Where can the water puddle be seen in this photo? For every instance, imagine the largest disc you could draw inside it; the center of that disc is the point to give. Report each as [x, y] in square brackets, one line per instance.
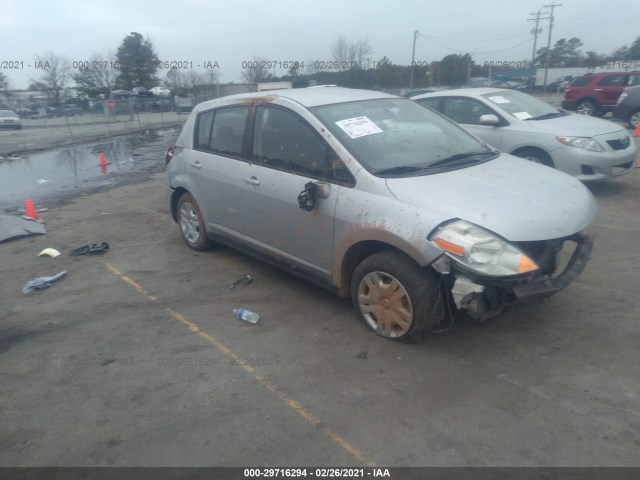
[74, 170]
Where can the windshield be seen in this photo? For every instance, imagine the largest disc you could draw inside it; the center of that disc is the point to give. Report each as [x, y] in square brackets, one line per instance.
[520, 105]
[398, 137]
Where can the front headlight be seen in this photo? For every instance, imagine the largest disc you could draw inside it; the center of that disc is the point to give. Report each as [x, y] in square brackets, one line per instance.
[482, 251]
[586, 143]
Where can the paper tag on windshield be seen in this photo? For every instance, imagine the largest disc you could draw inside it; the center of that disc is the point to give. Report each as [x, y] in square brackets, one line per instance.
[522, 115]
[498, 99]
[358, 127]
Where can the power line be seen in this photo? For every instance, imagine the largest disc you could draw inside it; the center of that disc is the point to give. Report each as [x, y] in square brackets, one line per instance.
[474, 41]
[475, 53]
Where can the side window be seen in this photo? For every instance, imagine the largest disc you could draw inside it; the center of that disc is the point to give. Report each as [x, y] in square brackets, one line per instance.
[614, 81]
[284, 141]
[222, 131]
[430, 102]
[634, 80]
[203, 130]
[465, 110]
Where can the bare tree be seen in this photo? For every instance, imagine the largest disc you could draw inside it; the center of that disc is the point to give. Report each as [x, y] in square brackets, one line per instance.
[56, 74]
[98, 75]
[257, 71]
[4, 82]
[348, 55]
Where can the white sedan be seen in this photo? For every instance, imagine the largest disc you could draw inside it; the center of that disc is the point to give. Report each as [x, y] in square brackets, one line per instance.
[160, 91]
[585, 147]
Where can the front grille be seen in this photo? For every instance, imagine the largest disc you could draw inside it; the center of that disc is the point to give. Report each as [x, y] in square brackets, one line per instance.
[619, 144]
[544, 253]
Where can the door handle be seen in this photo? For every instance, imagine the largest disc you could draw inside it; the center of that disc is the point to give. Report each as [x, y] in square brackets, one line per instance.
[597, 89]
[252, 181]
[196, 164]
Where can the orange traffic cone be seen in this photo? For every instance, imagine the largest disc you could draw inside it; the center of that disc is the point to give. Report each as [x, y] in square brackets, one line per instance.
[103, 163]
[30, 210]
[636, 132]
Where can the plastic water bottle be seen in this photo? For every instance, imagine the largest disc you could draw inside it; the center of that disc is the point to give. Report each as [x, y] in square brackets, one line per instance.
[246, 315]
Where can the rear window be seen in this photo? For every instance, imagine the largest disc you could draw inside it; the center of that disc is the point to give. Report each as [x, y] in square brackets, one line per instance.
[581, 81]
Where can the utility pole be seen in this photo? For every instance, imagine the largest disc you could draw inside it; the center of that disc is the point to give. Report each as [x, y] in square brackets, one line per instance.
[546, 66]
[536, 30]
[413, 59]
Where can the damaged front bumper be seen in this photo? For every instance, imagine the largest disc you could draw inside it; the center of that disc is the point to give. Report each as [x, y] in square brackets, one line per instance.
[484, 297]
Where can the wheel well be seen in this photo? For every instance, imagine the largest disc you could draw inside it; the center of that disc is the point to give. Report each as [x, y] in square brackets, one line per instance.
[175, 196]
[356, 254]
[546, 159]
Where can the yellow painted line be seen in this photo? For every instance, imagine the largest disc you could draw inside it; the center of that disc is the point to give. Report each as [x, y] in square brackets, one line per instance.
[290, 402]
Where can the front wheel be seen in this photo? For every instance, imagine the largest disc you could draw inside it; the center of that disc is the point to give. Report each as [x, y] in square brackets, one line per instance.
[191, 223]
[395, 297]
[534, 155]
[634, 119]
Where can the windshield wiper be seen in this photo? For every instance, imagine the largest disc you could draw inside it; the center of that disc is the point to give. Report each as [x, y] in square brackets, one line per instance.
[399, 169]
[462, 158]
[547, 115]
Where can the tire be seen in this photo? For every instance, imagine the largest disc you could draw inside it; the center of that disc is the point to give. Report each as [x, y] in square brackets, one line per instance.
[191, 224]
[634, 119]
[535, 155]
[395, 298]
[586, 107]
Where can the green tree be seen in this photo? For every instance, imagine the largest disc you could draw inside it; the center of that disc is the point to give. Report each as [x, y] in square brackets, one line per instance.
[138, 62]
[454, 69]
[634, 51]
[565, 53]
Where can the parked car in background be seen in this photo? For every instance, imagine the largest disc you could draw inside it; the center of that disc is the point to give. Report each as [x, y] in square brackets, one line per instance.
[628, 107]
[517, 123]
[141, 92]
[24, 112]
[10, 119]
[160, 91]
[597, 93]
[183, 104]
[376, 198]
[420, 91]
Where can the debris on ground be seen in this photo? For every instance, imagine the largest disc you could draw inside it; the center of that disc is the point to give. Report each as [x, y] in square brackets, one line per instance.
[245, 280]
[15, 227]
[51, 252]
[41, 283]
[91, 249]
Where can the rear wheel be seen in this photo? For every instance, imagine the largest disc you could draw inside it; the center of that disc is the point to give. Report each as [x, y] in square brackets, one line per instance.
[586, 107]
[395, 297]
[191, 224]
[634, 119]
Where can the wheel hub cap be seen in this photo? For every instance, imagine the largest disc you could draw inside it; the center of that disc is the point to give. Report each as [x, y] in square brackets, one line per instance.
[385, 304]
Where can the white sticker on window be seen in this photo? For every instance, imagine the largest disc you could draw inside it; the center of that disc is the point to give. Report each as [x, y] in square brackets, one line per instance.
[358, 127]
[522, 115]
[499, 99]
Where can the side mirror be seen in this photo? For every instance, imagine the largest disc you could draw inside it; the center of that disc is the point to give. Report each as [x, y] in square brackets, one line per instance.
[489, 119]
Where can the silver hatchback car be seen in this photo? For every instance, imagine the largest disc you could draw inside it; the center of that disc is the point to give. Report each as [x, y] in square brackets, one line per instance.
[379, 199]
[587, 148]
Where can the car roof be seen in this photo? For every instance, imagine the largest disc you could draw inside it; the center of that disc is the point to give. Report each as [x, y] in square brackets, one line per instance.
[467, 92]
[308, 97]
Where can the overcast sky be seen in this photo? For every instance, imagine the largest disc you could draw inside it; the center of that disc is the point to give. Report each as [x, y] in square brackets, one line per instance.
[232, 31]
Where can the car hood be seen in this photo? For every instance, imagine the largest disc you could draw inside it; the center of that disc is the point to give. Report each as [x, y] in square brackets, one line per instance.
[574, 125]
[515, 198]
